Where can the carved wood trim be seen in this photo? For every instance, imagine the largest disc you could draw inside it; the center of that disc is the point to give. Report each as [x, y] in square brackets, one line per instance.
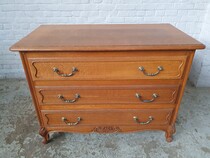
[173, 96]
[40, 92]
[106, 129]
[46, 118]
[168, 117]
[179, 69]
[34, 68]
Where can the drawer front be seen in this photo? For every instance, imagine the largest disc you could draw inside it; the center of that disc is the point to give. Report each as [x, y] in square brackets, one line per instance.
[84, 95]
[107, 117]
[64, 69]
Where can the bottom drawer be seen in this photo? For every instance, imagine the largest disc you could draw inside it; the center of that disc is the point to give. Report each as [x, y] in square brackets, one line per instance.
[122, 117]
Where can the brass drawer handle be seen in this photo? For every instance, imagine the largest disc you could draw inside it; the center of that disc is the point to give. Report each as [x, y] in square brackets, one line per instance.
[159, 68]
[154, 96]
[71, 123]
[60, 96]
[135, 118]
[74, 70]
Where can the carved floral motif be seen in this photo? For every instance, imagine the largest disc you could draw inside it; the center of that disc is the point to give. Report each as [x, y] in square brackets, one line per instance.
[107, 129]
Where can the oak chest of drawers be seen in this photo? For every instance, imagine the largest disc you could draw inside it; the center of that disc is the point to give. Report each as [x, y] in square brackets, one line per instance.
[107, 78]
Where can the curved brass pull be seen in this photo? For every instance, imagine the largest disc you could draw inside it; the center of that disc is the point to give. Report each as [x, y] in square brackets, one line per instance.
[74, 70]
[60, 96]
[135, 118]
[154, 95]
[159, 68]
[71, 123]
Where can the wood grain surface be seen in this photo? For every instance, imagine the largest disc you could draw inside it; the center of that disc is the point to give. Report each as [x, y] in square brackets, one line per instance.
[107, 94]
[106, 37]
[107, 117]
[108, 66]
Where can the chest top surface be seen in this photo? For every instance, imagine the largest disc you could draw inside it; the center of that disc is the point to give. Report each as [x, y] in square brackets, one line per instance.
[106, 37]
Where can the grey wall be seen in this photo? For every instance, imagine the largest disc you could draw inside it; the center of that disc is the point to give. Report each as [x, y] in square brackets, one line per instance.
[19, 17]
[200, 72]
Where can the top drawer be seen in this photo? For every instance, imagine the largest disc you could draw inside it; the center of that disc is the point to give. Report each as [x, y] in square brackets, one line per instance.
[107, 68]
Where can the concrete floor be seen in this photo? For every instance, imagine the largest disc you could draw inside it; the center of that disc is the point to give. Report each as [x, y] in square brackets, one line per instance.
[19, 131]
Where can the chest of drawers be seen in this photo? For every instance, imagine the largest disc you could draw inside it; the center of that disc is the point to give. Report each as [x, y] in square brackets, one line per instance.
[107, 78]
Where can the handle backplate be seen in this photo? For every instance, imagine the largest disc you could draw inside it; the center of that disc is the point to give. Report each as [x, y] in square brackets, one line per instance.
[60, 96]
[154, 96]
[136, 119]
[71, 123]
[74, 70]
[159, 68]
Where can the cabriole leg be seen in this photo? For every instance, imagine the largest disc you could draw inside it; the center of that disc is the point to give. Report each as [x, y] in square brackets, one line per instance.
[169, 133]
[44, 133]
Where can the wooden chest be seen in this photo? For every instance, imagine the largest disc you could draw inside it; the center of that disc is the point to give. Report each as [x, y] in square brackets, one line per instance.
[107, 78]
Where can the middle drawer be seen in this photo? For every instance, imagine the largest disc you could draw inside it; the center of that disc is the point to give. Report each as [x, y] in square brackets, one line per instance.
[129, 94]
